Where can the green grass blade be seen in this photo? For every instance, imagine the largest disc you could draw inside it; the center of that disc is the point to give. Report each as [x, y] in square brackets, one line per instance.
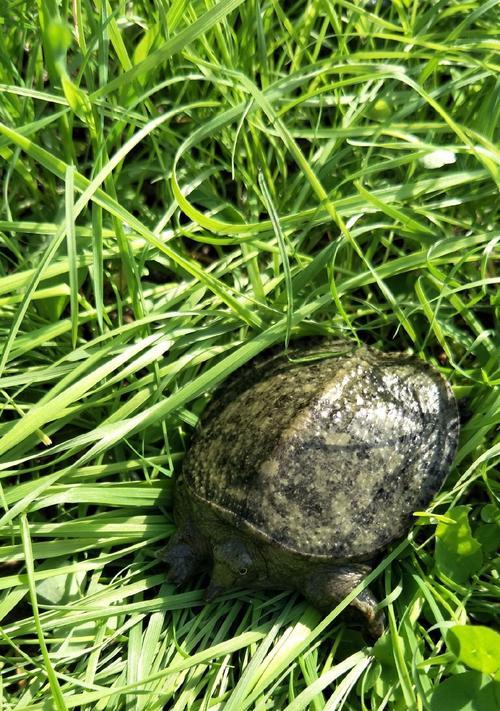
[56, 693]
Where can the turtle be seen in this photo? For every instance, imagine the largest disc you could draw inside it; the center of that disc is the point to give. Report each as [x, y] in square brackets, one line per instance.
[305, 466]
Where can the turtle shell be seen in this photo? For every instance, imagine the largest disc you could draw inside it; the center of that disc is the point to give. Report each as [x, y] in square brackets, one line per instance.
[326, 452]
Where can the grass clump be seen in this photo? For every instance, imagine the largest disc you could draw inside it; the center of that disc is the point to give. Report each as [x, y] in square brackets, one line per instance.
[183, 185]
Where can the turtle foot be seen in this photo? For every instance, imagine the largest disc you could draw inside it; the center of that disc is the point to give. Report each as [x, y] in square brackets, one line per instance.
[182, 559]
[329, 586]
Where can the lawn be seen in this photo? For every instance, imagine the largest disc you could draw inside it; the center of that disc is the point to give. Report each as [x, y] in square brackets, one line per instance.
[184, 184]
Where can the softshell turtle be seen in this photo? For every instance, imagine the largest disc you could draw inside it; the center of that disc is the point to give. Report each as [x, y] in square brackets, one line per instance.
[306, 466]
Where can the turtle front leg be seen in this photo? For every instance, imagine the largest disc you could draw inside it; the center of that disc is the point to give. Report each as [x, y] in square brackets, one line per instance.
[329, 585]
[186, 553]
[182, 556]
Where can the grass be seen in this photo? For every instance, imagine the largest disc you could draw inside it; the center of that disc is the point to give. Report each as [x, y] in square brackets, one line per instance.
[183, 185]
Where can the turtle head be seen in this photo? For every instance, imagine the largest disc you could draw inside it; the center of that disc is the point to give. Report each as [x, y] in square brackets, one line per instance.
[233, 566]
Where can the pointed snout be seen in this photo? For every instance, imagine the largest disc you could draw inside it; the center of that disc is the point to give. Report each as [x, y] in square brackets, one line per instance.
[221, 580]
[212, 591]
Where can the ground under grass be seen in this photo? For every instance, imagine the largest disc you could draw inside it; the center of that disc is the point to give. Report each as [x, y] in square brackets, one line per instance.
[183, 185]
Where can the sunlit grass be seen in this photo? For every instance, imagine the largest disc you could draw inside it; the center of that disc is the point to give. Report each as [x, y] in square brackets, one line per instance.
[183, 185]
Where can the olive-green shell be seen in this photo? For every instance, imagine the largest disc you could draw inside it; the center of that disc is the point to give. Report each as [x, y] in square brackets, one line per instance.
[327, 457]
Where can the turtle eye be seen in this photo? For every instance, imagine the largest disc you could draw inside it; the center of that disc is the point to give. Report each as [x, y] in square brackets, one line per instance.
[234, 556]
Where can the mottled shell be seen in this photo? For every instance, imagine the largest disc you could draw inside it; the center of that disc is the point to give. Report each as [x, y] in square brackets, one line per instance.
[327, 454]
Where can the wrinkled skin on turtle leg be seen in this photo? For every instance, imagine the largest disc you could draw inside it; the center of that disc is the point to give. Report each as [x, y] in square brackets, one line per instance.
[330, 584]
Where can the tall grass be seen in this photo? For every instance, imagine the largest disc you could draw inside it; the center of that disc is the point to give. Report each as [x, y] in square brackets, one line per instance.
[183, 185]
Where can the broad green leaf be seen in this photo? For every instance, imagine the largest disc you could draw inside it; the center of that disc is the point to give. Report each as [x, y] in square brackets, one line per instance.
[458, 553]
[476, 646]
[488, 535]
[491, 514]
[470, 691]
